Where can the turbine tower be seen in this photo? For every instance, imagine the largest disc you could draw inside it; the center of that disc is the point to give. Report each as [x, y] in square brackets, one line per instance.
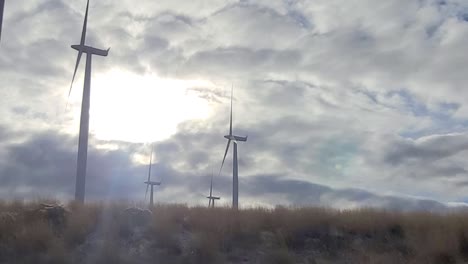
[84, 120]
[211, 198]
[2, 5]
[149, 182]
[235, 176]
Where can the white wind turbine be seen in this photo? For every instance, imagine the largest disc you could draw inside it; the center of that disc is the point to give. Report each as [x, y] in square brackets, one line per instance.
[149, 182]
[84, 120]
[211, 198]
[235, 176]
[2, 5]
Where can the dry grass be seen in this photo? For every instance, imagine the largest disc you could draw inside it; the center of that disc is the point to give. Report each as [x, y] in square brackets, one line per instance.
[99, 233]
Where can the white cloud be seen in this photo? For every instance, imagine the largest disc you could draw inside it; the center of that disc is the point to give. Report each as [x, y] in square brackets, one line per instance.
[341, 93]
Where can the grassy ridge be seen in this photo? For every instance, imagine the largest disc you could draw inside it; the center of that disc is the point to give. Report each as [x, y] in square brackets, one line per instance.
[98, 233]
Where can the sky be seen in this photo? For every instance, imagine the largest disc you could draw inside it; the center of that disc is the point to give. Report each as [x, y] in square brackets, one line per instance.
[346, 103]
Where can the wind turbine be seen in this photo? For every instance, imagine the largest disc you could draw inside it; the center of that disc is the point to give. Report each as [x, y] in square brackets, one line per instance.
[2, 5]
[84, 120]
[149, 182]
[235, 176]
[211, 198]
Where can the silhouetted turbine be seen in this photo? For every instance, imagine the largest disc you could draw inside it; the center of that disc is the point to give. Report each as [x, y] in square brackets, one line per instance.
[235, 176]
[211, 198]
[84, 120]
[149, 182]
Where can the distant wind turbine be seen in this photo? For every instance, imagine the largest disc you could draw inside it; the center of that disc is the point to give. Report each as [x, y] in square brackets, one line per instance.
[84, 121]
[149, 182]
[2, 5]
[235, 176]
[211, 198]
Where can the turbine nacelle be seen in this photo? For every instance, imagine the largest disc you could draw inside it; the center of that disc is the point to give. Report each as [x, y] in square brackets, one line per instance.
[236, 138]
[91, 50]
[152, 183]
[213, 197]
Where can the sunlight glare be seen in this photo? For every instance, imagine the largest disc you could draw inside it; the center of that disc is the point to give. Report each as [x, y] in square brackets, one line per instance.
[142, 108]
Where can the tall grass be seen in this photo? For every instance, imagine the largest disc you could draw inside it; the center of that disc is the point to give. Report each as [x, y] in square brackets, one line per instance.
[100, 233]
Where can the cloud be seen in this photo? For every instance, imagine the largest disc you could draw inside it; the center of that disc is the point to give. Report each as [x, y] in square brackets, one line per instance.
[43, 166]
[427, 149]
[333, 95]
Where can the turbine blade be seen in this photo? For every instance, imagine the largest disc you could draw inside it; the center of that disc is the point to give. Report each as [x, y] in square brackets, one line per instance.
[83, 33]
[146, 193]
[82, 43]
[211, 186]
[149, 171]
[2, 4]
[74, 74]
[224, 158]
[230, 117]
[150, 163]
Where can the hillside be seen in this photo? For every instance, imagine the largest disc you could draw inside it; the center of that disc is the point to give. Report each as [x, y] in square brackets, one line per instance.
[98, 233]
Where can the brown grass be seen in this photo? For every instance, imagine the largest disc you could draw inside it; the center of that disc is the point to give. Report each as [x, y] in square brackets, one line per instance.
[98, 233]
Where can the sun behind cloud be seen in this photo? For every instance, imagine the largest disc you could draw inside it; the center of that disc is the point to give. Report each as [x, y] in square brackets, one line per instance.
[141, 108]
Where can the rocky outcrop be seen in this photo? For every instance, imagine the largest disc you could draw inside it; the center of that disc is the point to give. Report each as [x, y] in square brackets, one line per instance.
[8, 218]
[137, 217]
[55, 215]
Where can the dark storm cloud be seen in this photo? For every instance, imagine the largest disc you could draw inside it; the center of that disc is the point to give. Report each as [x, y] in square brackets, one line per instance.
[427, 149]
[193, 148]
[36, 43]
[185, 149]
[43, 167]
[449, 171]
[297, 192]
[303, 193]
[43, 164]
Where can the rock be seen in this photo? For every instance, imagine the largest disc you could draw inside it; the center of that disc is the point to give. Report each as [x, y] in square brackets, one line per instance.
[56, 215]
[268, 239]
[137, 217]
[8, 218]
